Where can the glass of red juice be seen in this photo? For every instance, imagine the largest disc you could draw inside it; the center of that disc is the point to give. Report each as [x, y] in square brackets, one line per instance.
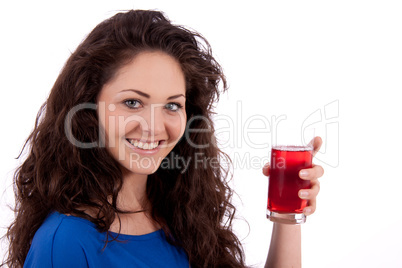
[284, 203]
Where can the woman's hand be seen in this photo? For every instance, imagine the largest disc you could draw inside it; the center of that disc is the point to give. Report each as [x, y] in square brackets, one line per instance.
[311, 174]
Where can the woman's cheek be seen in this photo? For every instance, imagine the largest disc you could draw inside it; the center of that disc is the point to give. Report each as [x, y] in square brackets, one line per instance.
[176, 127]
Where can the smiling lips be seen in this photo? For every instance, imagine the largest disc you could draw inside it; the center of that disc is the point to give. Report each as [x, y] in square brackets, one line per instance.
[144, 145]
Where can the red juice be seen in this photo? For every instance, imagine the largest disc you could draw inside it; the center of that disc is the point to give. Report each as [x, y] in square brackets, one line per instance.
[284, 180]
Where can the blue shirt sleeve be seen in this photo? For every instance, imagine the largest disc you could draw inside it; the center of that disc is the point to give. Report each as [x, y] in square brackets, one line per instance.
[67, 250]
[56, 247]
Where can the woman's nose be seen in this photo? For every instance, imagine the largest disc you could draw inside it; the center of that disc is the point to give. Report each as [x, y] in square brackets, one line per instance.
[154, 119]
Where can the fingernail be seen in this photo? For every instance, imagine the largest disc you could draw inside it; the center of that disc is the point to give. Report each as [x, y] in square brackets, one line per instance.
[303, 173]
[303, 194]
[307, 211]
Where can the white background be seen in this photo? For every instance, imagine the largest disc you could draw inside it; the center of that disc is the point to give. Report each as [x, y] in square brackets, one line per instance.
[290, 58]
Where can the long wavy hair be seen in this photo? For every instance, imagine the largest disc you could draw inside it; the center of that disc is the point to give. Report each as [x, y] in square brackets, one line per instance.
[193, 206]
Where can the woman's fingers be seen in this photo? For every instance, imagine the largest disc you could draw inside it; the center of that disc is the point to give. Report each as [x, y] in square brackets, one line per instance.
[311, 196]
[265, 169]
[306, 174]
[316, 143]
[312, 192]
[310, 209]
[311, 173]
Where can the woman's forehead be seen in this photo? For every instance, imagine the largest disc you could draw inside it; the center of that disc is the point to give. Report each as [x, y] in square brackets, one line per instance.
[152, 73]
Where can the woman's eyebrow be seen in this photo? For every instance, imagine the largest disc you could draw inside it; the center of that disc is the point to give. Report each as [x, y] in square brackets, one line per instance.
[139, 92]
[176, 96]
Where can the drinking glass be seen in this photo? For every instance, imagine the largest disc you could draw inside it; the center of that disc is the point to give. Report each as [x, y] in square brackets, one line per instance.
[284, 203]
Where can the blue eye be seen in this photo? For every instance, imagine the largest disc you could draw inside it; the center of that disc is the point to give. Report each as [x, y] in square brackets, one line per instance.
[174, 107]
[132, 104]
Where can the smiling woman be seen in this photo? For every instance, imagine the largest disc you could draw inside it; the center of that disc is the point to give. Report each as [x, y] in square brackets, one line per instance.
[123, 169]
[102, 162]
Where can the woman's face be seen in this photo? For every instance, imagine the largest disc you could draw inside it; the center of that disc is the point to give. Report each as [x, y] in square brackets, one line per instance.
[142, 111]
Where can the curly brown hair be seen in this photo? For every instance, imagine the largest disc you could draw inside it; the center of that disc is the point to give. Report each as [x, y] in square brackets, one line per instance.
[193, 206]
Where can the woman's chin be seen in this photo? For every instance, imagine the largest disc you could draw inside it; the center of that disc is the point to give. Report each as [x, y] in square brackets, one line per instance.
[141, 169]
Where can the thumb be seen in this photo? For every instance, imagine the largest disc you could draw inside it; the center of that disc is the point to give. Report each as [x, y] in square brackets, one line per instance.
[265, 169]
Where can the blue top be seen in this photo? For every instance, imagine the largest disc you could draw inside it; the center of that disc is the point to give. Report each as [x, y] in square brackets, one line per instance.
[69, 241]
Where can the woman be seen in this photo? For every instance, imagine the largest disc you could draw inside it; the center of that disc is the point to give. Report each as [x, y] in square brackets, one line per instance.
[113, 177]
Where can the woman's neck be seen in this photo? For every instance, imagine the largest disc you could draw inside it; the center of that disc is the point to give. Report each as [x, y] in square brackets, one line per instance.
[133, 198]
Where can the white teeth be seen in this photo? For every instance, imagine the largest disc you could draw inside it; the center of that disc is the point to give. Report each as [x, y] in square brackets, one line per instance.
[144, 145]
